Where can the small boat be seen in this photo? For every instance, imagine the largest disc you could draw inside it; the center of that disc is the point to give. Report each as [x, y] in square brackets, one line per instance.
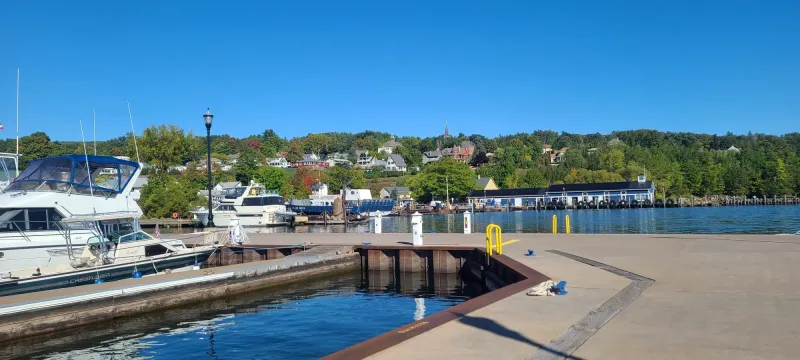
[106, 257]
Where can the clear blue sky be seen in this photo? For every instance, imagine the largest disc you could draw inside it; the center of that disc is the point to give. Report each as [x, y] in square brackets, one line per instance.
[405, 67]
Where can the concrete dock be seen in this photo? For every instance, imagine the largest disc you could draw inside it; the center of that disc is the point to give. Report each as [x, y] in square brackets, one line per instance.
[630, 297]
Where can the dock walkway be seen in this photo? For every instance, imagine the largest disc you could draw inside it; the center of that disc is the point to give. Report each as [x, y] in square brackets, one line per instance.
[630, 297]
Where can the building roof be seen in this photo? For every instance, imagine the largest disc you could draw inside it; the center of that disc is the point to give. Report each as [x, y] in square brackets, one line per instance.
[467, 143]
[140, 182]
[482, 182]
[611, 186]
[233, 156]
[398, 160]
[391, 143]
[523, 192]
[432, 154]
[401, 190]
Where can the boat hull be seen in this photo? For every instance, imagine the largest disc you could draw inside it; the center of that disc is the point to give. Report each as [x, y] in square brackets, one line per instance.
[107, 273]
[40, 249]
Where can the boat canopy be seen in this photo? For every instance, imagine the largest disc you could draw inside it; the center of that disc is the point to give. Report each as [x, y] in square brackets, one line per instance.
[70, 174]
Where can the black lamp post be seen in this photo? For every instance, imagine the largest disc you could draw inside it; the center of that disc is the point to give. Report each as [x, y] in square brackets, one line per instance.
[208, 117]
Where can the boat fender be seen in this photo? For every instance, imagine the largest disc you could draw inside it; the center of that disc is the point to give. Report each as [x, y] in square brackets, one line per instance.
[137, 274]
[99, 281]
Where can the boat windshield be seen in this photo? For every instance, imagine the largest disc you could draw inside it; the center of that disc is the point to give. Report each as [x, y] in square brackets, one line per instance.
[136, 236]
[234, 193]
[8, 168]
[72, 174]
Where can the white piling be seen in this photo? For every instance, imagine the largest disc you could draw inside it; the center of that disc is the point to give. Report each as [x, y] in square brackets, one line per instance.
[378, 223]
[467, 222]
[416, 228]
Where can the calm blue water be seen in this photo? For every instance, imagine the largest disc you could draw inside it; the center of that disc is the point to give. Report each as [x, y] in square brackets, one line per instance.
[305, 321]
[701, 220]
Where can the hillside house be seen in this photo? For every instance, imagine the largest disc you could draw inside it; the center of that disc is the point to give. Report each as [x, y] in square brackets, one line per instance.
[485, 184]
[395, 162]
[389, 146]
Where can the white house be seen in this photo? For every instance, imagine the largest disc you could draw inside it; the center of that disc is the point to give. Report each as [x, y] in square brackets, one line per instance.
[431, 156]
[227, 185]
[365, 160]
[389, 146]
[395, 162]
[136, 191]
[279, 162]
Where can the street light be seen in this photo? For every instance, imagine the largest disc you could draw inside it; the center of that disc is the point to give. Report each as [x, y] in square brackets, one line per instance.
[208, 117]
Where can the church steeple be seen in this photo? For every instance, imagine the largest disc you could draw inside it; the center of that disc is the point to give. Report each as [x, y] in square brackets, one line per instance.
[446, 131]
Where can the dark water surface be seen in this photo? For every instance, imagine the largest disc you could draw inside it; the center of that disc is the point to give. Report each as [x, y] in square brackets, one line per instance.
[700, 220]
[300, 321]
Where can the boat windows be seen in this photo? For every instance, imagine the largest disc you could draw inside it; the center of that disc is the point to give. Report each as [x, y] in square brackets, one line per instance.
[273, 200]
[103, 176]
[34, 219]
[139, 235]
[156, 249]
[224, 208]
[234, 193]
[262, 201]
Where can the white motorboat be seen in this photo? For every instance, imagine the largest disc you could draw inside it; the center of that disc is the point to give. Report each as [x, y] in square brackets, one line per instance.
[55, 188]
[105, 257]
[249, 206]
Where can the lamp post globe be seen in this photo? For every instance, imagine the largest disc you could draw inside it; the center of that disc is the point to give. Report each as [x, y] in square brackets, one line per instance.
[207, 118]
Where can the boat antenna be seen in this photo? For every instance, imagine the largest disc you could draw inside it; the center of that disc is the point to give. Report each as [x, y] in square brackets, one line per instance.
[94, 130]
[17, 112]
[133, 132]
[88, 169]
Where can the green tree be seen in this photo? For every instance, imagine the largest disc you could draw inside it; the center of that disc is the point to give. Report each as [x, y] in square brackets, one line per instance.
[164, 146]
[273, 178]
[584, 176]
[295, 152]
[272, 143]
[166, 194]
[533, 178]
[34, 146]
[612, 159]
[246, 166]
[317, 143]
[433, 180]
[339, 177]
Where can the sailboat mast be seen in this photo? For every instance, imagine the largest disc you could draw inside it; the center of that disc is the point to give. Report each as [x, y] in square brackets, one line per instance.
[17, 116]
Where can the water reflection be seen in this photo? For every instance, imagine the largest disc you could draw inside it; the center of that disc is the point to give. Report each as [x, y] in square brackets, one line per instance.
[307, 320]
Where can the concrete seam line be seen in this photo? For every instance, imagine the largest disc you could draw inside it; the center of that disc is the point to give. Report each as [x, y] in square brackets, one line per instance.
[577, 334]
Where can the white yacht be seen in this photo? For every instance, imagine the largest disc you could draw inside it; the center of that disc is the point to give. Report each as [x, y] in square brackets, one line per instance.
[251, 206]
[51, 189]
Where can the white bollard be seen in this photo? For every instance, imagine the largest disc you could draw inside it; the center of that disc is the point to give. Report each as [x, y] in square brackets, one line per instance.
[416, 228]
[467, 222]
[378, 223]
